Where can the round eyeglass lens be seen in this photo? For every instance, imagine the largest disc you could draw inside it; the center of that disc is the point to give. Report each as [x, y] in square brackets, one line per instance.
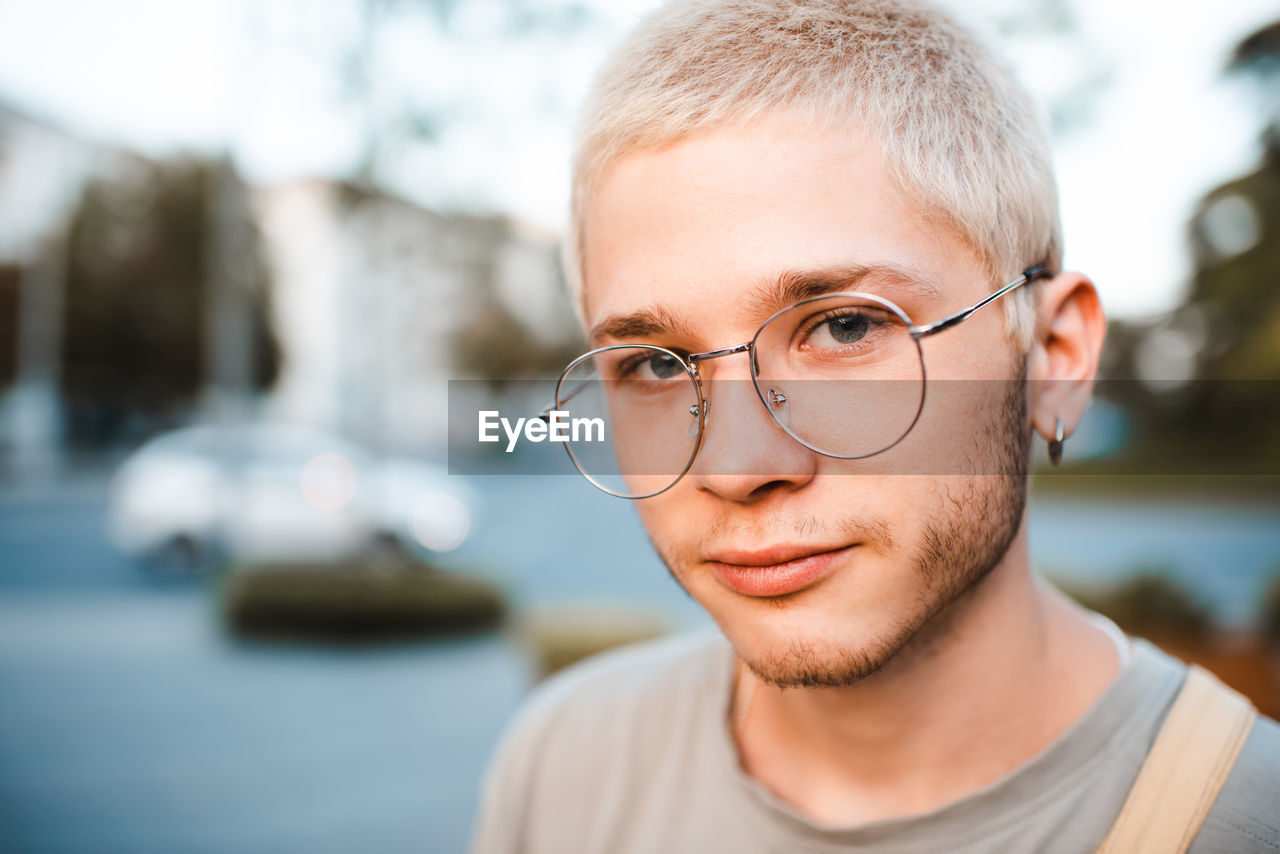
[634, 418]
[841, 373]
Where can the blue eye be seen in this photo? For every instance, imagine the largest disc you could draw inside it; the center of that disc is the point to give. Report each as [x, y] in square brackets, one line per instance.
[848, 328]
[650, 365]
[840, 330]
[664, 366]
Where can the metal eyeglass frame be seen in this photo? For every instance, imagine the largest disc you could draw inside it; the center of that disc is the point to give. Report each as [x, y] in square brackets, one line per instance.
[690, 364]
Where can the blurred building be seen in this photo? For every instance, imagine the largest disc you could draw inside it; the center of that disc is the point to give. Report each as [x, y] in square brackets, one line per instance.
[373, 299]
[372, 295]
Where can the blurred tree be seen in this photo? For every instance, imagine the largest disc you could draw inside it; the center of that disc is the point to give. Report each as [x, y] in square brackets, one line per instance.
[1147, 602]
[1270, 617]
[393, 118]
[138, 278]
[1038, 29]
[10, 275]
[399, 115]
[1235, 235]
[1258, 56]
[1226, 334]
[1235, 239]
[494, 344]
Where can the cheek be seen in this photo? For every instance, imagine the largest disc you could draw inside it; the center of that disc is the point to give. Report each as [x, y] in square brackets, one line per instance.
[966, 426]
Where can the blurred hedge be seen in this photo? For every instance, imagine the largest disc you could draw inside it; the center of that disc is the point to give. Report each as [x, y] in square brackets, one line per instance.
[361, 601]
[1147, 602]
[561, 638]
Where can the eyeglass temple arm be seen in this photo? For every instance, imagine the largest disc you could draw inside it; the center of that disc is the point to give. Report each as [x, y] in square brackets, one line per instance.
[545, 414]
[917, 332]
[1030, 274]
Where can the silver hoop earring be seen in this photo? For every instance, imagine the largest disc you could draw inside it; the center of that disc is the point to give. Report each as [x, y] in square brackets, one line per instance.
[1056, 443]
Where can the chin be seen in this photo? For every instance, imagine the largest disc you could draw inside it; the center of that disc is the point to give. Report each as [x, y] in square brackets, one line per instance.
[815, 661]
[797, 641]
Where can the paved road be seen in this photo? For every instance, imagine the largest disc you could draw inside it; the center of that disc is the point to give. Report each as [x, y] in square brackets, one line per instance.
[130, 723]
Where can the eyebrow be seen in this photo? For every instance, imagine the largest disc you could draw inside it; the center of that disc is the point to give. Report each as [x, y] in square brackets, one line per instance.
[794, 286]
[786, 289]
[646, 323]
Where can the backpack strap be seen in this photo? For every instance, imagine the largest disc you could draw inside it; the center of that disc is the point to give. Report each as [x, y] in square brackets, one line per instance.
[1193, 753]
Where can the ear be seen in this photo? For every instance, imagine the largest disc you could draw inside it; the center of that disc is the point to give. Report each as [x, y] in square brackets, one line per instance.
[1063, 362]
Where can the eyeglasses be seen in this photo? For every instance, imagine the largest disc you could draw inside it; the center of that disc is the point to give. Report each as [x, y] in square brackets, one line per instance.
[843, 374]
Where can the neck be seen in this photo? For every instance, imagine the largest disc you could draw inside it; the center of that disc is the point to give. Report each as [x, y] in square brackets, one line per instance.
[1001, 673]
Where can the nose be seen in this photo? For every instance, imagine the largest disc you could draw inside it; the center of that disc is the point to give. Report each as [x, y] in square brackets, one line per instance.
[745, 456]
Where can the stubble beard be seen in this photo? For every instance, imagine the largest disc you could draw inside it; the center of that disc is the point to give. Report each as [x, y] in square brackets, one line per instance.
[979, 515]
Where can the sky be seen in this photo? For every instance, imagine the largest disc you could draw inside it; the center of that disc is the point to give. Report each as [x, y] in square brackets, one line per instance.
[1152, 125]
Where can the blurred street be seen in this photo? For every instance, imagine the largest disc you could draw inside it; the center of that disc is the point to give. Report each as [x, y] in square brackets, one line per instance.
[130, 722]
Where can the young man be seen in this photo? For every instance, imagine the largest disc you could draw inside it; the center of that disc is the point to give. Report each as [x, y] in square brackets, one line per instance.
[782, 213]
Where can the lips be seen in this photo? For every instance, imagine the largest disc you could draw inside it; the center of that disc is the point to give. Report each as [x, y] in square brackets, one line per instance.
[774, 571]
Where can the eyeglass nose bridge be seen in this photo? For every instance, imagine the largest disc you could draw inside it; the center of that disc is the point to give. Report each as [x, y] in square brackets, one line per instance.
[695, 358]
[700, 410]
[776, 401]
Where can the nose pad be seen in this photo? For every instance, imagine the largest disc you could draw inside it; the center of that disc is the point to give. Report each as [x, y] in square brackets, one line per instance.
[745, 455]
[696, 423]
[778, 406]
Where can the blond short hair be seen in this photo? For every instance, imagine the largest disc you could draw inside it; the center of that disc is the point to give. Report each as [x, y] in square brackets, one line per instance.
[961, 135]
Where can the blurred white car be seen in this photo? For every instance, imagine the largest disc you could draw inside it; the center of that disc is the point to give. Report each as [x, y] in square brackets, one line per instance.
[263, 492]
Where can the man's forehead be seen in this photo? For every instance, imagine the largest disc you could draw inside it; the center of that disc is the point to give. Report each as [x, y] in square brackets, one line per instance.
[744, 220]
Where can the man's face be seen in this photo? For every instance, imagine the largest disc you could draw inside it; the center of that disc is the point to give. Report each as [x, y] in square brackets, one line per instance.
[818, 570]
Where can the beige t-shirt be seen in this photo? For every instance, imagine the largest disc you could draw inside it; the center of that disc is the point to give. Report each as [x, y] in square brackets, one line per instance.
[631, 752]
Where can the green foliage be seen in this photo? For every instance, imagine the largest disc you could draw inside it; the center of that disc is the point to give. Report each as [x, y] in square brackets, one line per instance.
[1258, 53]
[397, 116]
[1237, 289]
[1228, 419]
[356, 601]
[10, 277]
[494, 344]
[1147, 602]
[1269, 620]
